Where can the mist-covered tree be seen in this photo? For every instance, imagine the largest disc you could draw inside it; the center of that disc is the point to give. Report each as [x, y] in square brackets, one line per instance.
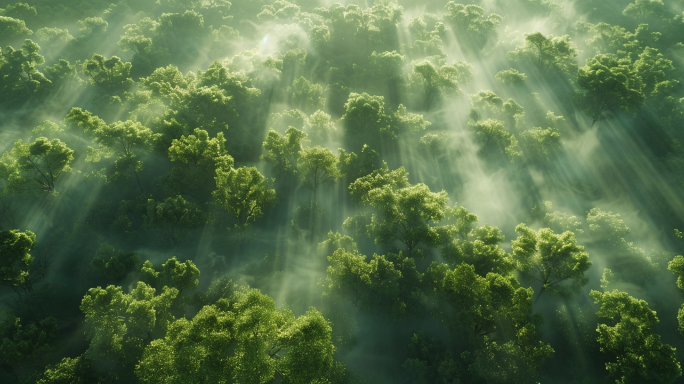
[12, 30]
[608, 84]
[407, 215]
[365, 121]
[481, 247]
[306, 96]
[114, 264]
[435, 83]
[15, 259]
[244, 193]
[354, 166]
[20, 80]
[317, 166]
[261, 342]
[676, 266]
[547, 53]
[35, 165]
[174, 215]
[197, 156]
[472, 22]
[122, 140]
[554, 260]
[283, 151]
[495, 141]
[24, 344]
[494, 314]
[636, 353]
[511, 77]
[112, 75]
[385, 282]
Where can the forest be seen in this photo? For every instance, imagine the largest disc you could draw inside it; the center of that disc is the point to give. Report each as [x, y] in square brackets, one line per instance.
[341, 191]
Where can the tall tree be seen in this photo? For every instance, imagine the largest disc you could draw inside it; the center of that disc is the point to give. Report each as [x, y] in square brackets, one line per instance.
[554, 260]
[637, 354]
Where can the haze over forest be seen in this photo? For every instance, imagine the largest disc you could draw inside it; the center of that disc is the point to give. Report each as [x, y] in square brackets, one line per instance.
[390, 191]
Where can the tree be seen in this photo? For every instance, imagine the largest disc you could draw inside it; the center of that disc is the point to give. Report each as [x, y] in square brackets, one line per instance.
[547, 53]
[197, 157]
[511, 77]
[540, 145]
[120, 139]
[19, 76]
[365, 121]
[37, 164]
[626, 334]
[317, 166]
[22, 344]
[174, 215]
[243, 338]
[554, 260]
[386, 282]
[407, 215]
[494, 140]
[483, 252]
[306, 96]
[608, 84]
[12, 29]
[676, 266]
[494, 316]
[113, 75]
[15, 259]
[353, 166]
[472, 21]
[244, 193]
[435, 83]
[283, 151]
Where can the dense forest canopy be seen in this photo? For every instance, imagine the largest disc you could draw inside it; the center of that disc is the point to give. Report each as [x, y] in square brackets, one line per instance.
[352, 191]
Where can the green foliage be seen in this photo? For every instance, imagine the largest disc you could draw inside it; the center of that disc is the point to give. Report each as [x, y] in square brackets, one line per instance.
[637, 355]
[317, 166]
[495, 141]
[495, 314]
[283, 152]
[365, 121]
[405, 215]
[22, 344]
[244, 193]
[511, 77]
[541, 145]
[547, 53]
[174, 274]
[473, 22]
[243, 339]
[113, 75]
[113, 264]
[70, 371]
[197, 158]
[554, 260]
[119, 321]
[15, 259]
[378, 178]
[435, 83]
[355, 166]
[174, 215]
[12, 29]
[384, 282]
[19, 76]
[608, 84]
[305, 95]
[676, 266]
[35, 165]
[483, 252]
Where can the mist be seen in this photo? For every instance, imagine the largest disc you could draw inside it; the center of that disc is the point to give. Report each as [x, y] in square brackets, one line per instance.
[384, 191]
